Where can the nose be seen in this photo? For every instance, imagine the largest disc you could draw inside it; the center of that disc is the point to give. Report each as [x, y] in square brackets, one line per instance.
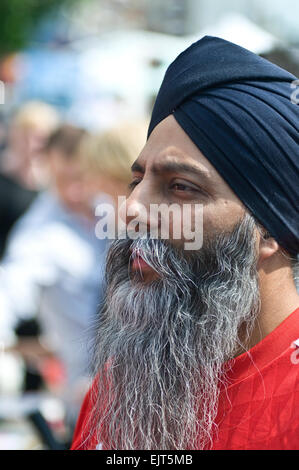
[135, 211]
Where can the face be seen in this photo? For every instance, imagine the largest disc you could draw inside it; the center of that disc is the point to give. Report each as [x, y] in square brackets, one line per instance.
[172, 319]
[68, 180]
[172, 170]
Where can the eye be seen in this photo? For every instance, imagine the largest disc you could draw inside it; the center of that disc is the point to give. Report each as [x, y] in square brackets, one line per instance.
[184, 187]
[134, 183]
[180, 187]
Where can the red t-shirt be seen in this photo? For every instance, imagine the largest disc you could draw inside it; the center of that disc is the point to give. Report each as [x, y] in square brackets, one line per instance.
[259, 409]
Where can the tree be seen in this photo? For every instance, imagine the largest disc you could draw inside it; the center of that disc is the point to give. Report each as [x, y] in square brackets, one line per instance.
[19, 18]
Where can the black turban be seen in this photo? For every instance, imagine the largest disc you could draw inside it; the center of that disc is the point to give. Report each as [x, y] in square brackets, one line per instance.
[237, 108]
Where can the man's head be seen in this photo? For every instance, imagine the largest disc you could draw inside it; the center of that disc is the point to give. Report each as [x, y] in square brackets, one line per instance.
[173, 320]
[67, 177]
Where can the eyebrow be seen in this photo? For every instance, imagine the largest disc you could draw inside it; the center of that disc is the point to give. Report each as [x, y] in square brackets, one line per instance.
[174, 167]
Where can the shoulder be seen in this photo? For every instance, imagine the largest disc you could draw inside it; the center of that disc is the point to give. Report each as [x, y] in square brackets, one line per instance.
[82, 430]
[84, 438]
[42, 209]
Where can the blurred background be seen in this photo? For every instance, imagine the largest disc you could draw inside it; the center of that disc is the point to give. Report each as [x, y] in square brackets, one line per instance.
[78, 82]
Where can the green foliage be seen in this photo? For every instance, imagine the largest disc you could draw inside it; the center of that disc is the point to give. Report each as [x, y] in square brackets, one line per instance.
[18, 18]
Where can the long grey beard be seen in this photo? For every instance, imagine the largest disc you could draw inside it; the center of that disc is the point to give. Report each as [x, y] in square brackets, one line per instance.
[167, 342]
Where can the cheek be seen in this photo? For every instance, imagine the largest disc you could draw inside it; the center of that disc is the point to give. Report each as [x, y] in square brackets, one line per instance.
[220, 216]
[223, 215]
[186, 226]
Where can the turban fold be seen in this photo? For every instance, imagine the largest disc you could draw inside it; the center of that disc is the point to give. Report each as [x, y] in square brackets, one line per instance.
[237, 109]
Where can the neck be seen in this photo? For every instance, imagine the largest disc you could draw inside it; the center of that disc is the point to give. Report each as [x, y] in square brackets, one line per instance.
[278, 296]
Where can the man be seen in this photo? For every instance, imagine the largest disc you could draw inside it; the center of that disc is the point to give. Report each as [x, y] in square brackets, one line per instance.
[197, 349]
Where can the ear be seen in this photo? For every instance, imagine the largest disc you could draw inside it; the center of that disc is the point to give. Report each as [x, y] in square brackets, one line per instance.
[268, 246]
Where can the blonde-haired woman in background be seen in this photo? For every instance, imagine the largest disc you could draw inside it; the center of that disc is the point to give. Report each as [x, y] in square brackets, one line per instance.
[109, 155]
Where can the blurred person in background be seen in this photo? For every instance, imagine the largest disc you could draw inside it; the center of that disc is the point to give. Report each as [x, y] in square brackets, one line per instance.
[28, 132]
[52, 267]
[21, 166]
[108, 157]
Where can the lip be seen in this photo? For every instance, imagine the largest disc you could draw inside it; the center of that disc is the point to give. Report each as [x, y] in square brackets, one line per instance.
[138, 264]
